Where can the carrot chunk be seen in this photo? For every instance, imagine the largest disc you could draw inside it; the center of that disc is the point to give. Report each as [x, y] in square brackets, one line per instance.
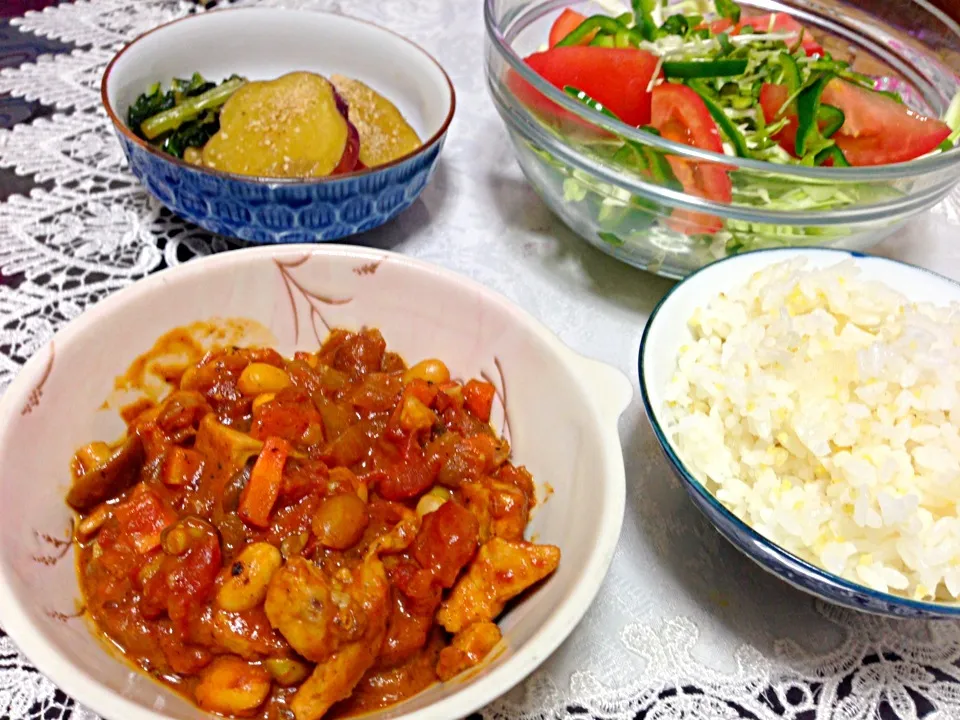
[260, 494]
[478, 399]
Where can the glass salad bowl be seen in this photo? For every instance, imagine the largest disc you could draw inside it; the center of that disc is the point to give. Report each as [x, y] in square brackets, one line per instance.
[647, 220]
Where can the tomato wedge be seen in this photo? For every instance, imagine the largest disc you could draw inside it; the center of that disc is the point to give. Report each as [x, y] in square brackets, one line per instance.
[680, 115]
[618, 78]
[772, 98]
[568, 21]
[876, 130]
[770, 22]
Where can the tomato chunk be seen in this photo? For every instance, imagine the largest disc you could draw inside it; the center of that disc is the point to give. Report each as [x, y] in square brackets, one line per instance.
[478, 399]
[409, 477]
[568, 21]
[447, 541]
[680, 115]
[774, 23]
[143, 518]
[876, 130]
[618, 78]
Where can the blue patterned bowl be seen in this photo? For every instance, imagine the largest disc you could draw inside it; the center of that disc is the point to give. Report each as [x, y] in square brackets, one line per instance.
[667, 330]
[264, 43]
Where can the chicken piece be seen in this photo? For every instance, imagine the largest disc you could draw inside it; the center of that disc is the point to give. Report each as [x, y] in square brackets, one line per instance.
[230, 686]
[333, 681]
[400, 536]
[247, 634]
[469, 647]
[338, 622]
[230, 448]
[501, 508]
[501, 570]
[407, 631]
[315, 612]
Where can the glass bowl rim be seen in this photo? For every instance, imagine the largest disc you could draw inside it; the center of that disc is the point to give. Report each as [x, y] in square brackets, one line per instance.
[895, 171]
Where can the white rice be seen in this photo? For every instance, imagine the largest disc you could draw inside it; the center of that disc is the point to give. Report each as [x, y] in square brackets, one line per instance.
[822, 409]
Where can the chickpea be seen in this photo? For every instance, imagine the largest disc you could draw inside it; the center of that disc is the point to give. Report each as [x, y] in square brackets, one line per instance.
[259, 378]
[230, 686]
[432, 371]
[91, 524]
[246, 585]
[262, 399]
[175, 540]
[432, 501]
[340, 521]
[292, 545]
[287, 671]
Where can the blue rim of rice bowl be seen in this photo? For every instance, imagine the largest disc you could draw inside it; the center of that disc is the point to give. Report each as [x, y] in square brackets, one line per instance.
[776, 553]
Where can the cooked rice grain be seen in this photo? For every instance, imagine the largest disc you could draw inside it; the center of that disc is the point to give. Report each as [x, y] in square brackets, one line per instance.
[822, 409]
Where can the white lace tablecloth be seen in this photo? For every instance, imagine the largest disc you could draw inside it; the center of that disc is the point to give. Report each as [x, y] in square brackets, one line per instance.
[684, 627]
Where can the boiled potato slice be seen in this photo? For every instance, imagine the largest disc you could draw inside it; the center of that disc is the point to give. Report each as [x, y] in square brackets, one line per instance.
[384, 134]
[288, 127]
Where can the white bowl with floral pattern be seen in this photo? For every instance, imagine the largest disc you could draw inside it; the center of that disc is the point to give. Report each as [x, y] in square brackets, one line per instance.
[559, 410]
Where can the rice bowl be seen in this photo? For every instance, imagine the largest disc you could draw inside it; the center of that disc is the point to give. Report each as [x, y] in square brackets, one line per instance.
[811, 417]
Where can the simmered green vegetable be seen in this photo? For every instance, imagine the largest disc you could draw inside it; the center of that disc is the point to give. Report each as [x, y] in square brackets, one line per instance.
[189, 109]
[187, 115]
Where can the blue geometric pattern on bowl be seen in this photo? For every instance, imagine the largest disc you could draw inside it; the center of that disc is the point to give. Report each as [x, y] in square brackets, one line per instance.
[264, 212]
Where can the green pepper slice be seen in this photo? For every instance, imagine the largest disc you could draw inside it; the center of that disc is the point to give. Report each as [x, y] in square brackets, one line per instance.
[808, 110]
[704, 68]
[731, 131]
[831, 118]
[603, 40]
[601, 23]
[580, 95]
[831, 152]
[657, 164]
[790, 70]
[643, 18]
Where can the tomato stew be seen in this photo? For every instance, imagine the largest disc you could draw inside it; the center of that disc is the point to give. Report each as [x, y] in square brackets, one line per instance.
[310, 537]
